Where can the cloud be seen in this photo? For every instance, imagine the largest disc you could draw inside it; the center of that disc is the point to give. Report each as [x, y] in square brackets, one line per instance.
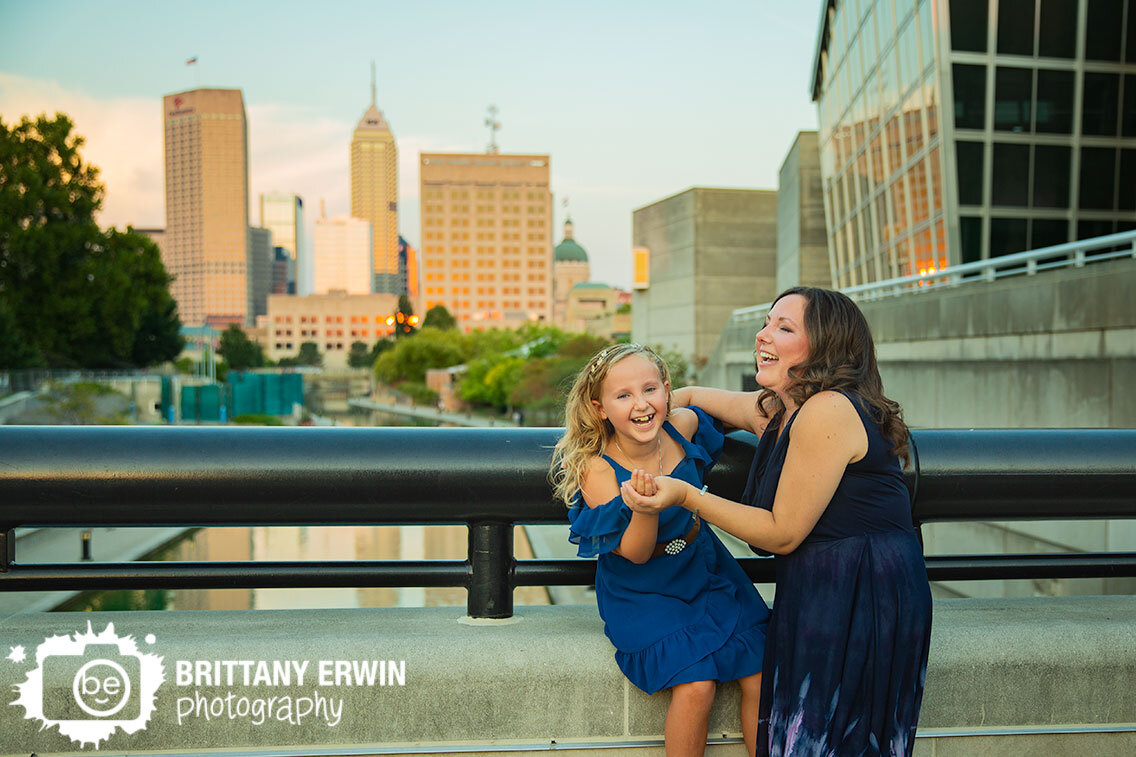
[123, 138]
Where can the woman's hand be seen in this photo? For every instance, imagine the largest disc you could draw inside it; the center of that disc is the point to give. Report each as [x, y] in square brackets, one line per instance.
[648, 494]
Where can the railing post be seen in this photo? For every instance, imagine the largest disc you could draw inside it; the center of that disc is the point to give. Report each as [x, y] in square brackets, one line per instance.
[7, 548]
[491, 570]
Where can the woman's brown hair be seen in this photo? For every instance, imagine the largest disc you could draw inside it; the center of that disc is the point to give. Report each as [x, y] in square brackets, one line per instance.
[842, 355]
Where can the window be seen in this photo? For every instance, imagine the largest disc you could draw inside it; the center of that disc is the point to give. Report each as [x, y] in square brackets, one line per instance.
[1046, 232]
[1054, 102]
[1128, 117]
[1051, 176]
[1090, 229]
[1128, 185]
[1058, 38]
[1099, 106]
[1013, 94]
[1130, 45]
[1015, 27]
[1104, 29]
[1007, 236]
[1010, 182]
[1098, 176]
[968, 25]
[970, 230]
[970, 96]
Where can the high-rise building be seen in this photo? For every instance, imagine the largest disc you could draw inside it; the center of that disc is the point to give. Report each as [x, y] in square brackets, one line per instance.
[408, 269]
[206, 244]
[374, 192]
[283, 271]
[283, 215]
[342, 254]
[953, 131]
[487, 237]
[260, 262]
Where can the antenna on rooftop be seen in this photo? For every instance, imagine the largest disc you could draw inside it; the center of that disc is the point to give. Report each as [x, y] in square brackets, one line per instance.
[372, 83]
[494, 126]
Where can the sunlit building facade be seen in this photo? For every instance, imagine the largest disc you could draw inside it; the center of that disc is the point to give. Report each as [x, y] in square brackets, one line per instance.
[342, 256]
[283, 215]
[374, 193]
[206, 170]
[487, 237]
[953, 131]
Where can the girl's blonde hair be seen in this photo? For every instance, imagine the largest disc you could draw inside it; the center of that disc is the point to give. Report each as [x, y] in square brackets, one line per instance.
[586, 434]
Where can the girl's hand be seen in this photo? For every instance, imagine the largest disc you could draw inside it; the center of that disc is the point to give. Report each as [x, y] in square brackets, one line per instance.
[667, 492]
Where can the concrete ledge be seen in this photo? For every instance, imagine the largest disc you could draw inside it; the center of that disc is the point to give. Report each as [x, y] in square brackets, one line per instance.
[1002, 672]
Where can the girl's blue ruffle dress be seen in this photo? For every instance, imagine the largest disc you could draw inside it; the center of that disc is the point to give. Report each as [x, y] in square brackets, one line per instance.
[693, 616]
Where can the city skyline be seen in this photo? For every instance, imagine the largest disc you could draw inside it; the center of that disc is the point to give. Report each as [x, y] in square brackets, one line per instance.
[634, 102]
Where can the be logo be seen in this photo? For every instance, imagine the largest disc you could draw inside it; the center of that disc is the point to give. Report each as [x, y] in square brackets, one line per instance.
[89, 685]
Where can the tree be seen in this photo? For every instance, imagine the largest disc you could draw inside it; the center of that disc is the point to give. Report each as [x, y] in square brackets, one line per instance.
[78, 295]
[240, 352]
[359, 356]
[14, 349]
[405, 321]
[438, 317]
[411, 358]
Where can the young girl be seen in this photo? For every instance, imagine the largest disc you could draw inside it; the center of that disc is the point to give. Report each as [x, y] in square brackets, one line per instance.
[677, 606]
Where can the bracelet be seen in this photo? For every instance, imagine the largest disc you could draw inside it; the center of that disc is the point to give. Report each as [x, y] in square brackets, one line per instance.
[703, 492]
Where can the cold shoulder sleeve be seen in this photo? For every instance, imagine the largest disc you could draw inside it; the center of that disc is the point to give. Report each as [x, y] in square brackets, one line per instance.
[597, 530]
[708, 437]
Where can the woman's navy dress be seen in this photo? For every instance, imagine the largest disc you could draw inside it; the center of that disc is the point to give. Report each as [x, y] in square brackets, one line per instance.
[694, 616]
[847, 644]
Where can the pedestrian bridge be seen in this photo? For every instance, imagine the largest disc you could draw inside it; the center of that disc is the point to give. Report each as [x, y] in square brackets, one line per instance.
[1015, 676]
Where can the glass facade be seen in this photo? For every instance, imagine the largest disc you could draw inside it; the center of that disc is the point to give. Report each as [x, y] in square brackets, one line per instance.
[959, 130]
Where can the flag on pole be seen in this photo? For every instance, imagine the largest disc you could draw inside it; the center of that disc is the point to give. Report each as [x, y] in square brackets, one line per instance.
[191, 61]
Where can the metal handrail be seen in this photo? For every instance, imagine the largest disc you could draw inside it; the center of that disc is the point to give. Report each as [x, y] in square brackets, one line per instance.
[1076, 254]
[488, 479]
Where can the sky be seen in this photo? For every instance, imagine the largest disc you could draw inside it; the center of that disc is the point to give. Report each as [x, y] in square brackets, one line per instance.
[634, 101]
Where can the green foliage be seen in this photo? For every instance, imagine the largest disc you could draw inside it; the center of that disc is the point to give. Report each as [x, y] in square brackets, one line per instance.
[380, 346]
[185, 365]
[404, 318]
[240, 352]
[438, 317]
[257, 419]
[624, 308]
[411, 358]
[490, 380]
[78, 296]
[678, 363]
[419, 392]
[309, 354]
[359, 356]
[84, 403]
[14, 349]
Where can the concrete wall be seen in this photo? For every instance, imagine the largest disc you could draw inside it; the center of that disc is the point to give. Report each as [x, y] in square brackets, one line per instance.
[802, 244]
[712, 250]
[546, 680]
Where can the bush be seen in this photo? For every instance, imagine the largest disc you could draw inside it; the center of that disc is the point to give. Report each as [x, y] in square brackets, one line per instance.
[257, 419]
[419, 392]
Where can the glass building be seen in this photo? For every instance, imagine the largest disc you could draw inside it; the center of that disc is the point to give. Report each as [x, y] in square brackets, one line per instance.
[958, 130]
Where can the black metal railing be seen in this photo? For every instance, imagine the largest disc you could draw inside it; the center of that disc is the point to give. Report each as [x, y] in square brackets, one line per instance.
[489, 480]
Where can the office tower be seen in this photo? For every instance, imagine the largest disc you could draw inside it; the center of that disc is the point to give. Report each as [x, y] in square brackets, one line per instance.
[802, 250]
[374, 191]
[283, 271]
[205, 250]
[260, 262]
[957, 131]
[283, 215]
[408, 269]
[486, 237]
[342, 255]
[569, 268]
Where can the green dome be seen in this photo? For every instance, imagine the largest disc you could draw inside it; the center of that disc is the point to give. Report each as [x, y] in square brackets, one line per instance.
[590, 285]
[569, 252]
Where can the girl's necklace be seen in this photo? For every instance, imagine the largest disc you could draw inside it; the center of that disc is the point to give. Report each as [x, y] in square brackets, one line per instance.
[658, 445]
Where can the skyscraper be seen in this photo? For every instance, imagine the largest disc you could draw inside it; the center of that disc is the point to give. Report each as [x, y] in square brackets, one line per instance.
[374, 191]
[342, 255]
[487, 237]
[206, 246]
[283, 215]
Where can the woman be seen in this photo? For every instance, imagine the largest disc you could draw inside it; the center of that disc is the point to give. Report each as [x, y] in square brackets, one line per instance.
[846, 649]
